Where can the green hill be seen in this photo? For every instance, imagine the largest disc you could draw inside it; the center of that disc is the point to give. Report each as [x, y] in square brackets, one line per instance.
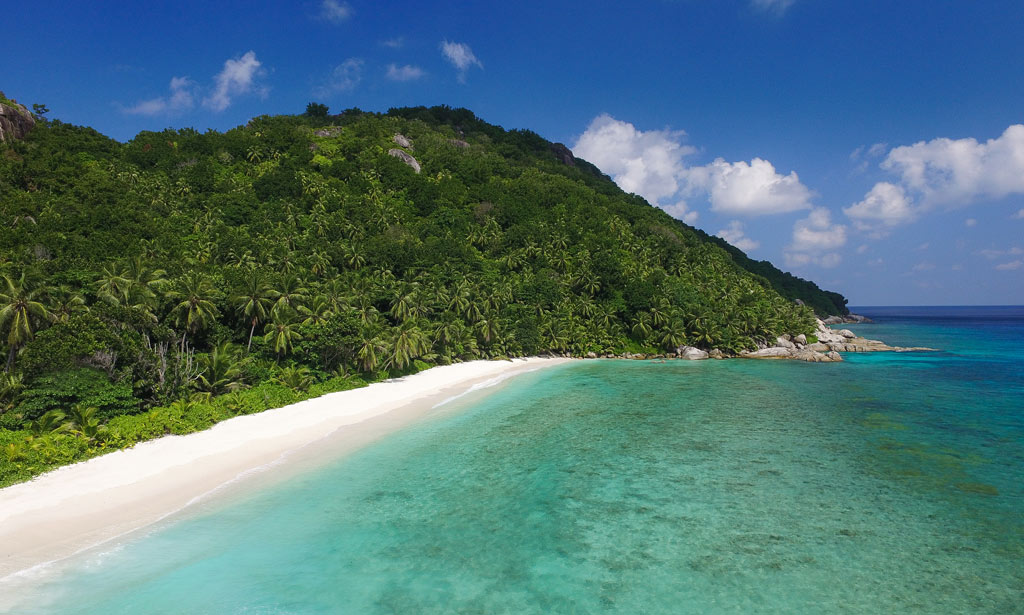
[159, 285]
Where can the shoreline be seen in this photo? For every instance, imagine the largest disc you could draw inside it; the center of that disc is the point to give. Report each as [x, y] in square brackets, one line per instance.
[77, 507]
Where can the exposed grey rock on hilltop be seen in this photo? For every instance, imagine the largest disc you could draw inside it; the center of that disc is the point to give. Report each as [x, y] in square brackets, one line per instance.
[15, 120]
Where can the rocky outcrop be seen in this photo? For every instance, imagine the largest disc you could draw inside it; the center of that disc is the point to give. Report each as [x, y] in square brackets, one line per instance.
[849, 319]
[403, 141]
[564, 154]
[845, 340]
[329, 131]
[459, 143]
[15, 120]
[406, 158]
[796, 354]
[690, 353]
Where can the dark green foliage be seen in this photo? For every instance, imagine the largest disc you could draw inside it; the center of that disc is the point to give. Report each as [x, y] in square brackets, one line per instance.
[185, 277]
[85, 386]
[316, 110]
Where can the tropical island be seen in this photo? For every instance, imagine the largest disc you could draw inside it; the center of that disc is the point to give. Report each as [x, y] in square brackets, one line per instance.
[162, 285]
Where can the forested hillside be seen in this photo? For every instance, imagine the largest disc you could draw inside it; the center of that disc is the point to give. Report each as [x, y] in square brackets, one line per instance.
[159, 285]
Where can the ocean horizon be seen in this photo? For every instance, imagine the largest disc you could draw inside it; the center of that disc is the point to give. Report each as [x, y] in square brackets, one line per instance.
[890, 482]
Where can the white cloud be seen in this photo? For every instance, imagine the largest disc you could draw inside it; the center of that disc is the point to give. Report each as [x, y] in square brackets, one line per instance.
[884, 207]
[924, 246]
[993, 254]
[775, 6]
[753, 189]
[461, 57]
[180, 99]
[814, 240]
[238, 77]
[335, 11]
[344, 77]
[682, 212]
[394, 43]
[734, 234]
[862, 248]
[1010, 266]
[925, 266]
[404, 73]
[646, 163]
[876, 262]
[1019, 215]
[958, 172]
[969, 222]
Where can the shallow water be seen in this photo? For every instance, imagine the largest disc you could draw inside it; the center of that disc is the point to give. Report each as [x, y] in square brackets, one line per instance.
[887, 483]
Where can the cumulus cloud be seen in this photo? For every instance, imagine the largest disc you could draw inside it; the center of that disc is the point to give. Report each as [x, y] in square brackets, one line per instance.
[646, 163]
[773, 6]
[682, 212]
[461, 57]
[753, 189]
[652, 164]
[180, 98]
[883, 208]
[815, 239]
[735, 235]
[237, 78]
[335, 11]
[344, 77]
[959, 172]
[404, 73]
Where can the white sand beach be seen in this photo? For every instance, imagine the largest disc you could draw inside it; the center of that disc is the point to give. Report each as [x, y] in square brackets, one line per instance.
[75, 507]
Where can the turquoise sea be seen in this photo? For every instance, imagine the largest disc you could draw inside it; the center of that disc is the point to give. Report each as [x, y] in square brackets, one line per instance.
[889, 483]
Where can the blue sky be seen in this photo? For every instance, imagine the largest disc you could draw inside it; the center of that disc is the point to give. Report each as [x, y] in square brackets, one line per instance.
[874, 147]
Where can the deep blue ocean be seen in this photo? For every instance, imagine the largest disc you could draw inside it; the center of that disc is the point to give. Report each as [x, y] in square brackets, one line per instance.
[888, 483]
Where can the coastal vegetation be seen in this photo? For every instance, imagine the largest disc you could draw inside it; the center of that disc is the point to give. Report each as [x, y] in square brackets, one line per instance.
[161, 285]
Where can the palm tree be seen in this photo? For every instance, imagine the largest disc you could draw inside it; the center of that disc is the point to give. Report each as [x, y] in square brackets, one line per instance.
[144, 282]
[298, 378]
[11, 385]
[409, 342]
[369, 351]
[282, 332]
[65, 302]
[642, 325]
[47, 423]
[673, 335]
[113, 283]
[488, 328]
[255, 302]
[318, 311]
[195, 308]
[20, 312]
[221, 371]
[291, 293]
[84, 423]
